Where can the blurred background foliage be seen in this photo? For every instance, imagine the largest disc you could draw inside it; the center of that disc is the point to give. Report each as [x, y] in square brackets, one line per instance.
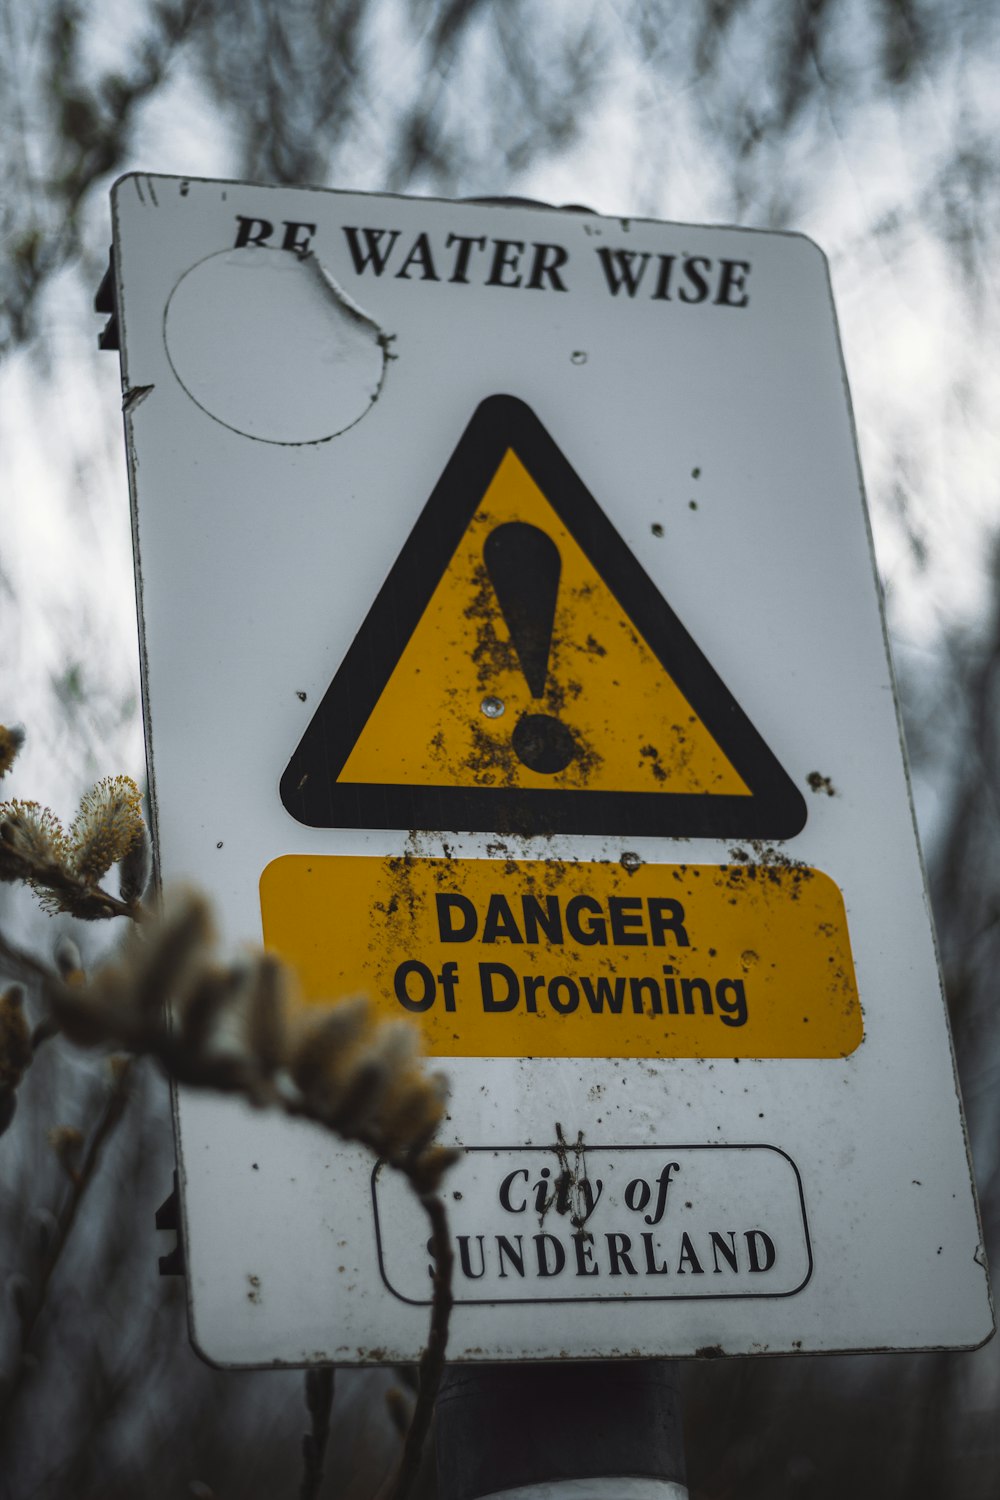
[872, 125]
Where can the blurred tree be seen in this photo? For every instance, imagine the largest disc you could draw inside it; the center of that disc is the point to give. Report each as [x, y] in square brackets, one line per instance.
[872, 124]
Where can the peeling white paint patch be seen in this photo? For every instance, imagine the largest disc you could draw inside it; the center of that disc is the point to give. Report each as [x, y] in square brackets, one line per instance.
[265, 342]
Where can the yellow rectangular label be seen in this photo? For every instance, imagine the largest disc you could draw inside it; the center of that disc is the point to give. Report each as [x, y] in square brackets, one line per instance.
[534, 958]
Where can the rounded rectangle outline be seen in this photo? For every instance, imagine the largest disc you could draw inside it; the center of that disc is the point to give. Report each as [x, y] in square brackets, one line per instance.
[678, 1297]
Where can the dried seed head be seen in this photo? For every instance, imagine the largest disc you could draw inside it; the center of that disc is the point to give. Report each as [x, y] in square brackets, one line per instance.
[376, 1077]
[240, 1028]
[350, 1106]
[106, 827]
[11, 868]
[11, 740]
[426, 1171]
[323, 1055]
[413, 1105]
[15, 1038]
[161, 963]
[34, 833]
[126, 1001]
[411, 1114]
[397, 1043]
[200, 1005]
[364, 1080]
[267, 1004]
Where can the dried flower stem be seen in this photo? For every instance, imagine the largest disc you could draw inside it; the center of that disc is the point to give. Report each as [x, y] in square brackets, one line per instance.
[342, 1068]
[433, 1358]
[358, 1077]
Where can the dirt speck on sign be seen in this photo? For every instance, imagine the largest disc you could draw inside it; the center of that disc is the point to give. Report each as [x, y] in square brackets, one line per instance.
[821, 783]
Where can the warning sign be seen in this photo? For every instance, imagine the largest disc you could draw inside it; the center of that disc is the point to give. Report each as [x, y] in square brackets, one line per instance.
[519, 672]
[636, 613]
[538, 958]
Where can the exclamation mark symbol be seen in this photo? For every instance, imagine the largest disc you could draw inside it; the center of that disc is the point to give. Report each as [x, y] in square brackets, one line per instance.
[524, 566]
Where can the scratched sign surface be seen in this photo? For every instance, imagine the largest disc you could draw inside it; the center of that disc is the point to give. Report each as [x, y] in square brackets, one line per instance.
[512, 653]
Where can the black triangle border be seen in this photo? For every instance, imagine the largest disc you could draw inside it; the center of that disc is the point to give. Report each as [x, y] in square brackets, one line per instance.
[309, 788]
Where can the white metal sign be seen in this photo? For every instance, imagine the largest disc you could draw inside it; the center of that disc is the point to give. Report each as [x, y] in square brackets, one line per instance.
[512, 651]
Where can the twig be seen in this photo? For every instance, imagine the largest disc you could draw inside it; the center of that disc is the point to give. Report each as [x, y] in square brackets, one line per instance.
[433, 1358]
[110, 1116]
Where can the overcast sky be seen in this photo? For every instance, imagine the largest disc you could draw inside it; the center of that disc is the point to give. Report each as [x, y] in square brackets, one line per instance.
[918, 350]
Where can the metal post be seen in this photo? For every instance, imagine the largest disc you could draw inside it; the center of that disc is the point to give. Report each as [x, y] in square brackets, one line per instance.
[572, 1431]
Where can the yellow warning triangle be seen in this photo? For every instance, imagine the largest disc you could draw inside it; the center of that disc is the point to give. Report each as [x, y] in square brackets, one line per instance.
[519, 672]
[447, 713]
